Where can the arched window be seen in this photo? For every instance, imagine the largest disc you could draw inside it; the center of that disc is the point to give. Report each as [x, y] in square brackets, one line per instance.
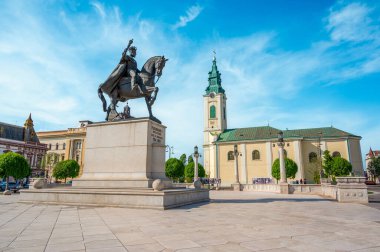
[230, 155]
[312, 157]
[255, 155]
[56, 146]
[336, 154]
[49, 146]
[64, 146]
[212, 111]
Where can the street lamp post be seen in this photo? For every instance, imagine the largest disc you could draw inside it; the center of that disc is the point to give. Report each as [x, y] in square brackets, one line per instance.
[319, 159]
[281, 145]
[197, 183]
[170, 150]
[284, 187]
[236, 154]
[196, 156]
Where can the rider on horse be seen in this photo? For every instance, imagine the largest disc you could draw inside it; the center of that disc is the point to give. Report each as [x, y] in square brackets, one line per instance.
[127, 67]
[132, 69]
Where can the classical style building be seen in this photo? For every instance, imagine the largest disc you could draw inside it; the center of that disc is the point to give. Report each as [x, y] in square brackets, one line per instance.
[64, 144]
[23, 140]
[257, 145]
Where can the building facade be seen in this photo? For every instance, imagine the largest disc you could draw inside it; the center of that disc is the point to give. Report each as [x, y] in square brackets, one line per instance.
[23, 140]
[257, 146]
[64, 145]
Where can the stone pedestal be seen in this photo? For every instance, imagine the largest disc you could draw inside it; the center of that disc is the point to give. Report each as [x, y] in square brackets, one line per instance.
[123, 154]
[236, 187]
[284, 188]
[352, 189]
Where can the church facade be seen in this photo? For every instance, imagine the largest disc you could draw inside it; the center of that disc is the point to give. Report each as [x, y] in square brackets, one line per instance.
[257, 146]
[23, 140]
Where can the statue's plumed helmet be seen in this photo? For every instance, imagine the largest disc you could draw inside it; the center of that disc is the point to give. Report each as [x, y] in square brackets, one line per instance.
[132, 48]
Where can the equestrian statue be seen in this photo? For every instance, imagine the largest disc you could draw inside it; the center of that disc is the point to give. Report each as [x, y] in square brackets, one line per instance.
[127, 82]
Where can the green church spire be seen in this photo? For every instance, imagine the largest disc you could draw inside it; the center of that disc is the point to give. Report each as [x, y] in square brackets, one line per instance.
[214, 80]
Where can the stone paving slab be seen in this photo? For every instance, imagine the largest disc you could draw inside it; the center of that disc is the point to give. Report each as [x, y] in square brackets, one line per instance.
[232, 221]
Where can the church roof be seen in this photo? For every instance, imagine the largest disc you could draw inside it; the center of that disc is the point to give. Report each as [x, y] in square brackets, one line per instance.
[267, 132]
[253, 133]
[325, 132]
[12, 132]
[18, 133]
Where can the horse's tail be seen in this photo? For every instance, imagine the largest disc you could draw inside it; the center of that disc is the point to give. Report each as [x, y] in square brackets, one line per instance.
[100, 94]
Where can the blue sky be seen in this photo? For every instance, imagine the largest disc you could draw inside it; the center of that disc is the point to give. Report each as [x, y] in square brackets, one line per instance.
[292, 64]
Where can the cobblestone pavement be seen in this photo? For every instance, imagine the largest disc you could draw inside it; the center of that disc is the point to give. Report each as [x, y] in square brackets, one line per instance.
[233, 221]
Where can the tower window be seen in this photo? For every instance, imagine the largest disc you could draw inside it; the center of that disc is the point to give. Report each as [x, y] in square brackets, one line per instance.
[212, 111]
[224, 113]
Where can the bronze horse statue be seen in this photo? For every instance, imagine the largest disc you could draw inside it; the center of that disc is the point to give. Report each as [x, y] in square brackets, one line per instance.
[122, 89]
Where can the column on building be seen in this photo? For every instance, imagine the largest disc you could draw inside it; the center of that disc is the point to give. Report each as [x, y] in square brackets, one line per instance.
[268, 146]
[244, 171]
[299, 160]
[71, 149]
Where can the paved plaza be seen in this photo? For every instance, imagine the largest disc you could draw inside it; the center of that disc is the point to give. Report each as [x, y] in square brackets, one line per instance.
[233, 221]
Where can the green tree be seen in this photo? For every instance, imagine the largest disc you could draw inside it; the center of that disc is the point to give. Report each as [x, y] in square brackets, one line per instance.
[15, 165]
[174, 168]
[183, 158]
[327, 163]
[341, 167]
[190, 159]
[374, 167]
[291, 168]
[66, 169]
[189, 171]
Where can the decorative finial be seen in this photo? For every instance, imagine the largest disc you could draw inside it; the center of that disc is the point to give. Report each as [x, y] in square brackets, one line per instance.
[214, 55]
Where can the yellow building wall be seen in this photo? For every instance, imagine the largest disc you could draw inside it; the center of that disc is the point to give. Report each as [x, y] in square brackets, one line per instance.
[289, 150]
[309, 168]
[338, 145]
[256, 168]
[226, 167]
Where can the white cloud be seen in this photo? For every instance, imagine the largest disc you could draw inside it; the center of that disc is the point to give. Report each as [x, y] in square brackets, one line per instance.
[191, 14]
[99, 8]
[351, 23]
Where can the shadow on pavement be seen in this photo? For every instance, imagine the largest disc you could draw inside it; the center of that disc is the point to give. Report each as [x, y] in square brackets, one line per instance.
[266, 200]
[249, 201]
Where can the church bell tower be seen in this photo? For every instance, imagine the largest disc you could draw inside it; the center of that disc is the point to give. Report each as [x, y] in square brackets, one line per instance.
[214, 117]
